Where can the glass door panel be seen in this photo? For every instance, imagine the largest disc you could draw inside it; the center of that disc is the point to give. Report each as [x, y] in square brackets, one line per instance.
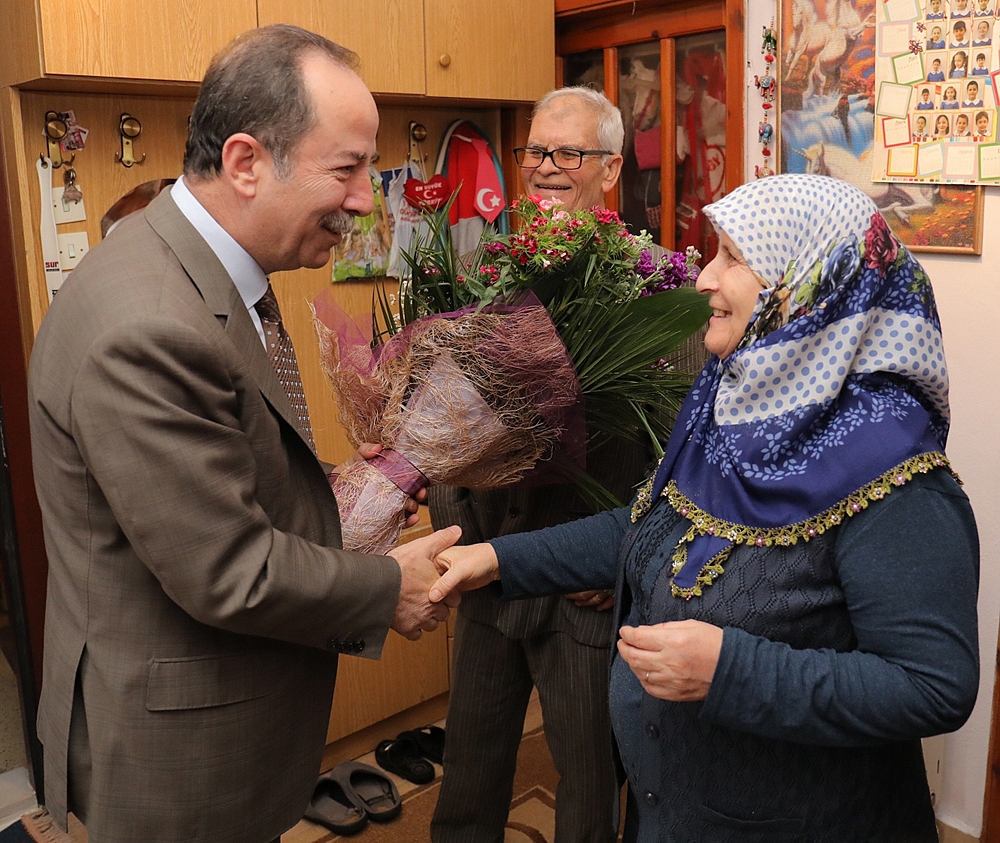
[689, 125]
[585, 69]
[700, 115]
[640, 102]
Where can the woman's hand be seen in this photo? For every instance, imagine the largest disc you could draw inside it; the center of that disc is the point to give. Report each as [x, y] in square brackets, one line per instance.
[367, 450]
[674, 661]
[600, 600]
[463, 568]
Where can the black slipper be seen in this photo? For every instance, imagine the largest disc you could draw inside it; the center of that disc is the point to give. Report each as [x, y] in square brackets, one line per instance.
[430, 739]
[402, 756]
[332, 807]
[370, 788]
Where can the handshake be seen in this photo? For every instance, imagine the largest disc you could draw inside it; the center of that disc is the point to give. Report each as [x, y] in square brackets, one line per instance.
[434, 571]
[434, 574]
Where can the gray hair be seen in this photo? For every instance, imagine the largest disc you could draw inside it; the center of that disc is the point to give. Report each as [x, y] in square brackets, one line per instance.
[255, 86]
[610, 130]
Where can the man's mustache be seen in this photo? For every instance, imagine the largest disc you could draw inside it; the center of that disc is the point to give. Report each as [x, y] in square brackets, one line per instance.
[339, 222]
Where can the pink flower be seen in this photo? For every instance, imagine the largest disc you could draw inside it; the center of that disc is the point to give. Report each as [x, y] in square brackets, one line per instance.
[881, 247]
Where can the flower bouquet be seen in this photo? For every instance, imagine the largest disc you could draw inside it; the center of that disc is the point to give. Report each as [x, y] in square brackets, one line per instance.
[503, 363]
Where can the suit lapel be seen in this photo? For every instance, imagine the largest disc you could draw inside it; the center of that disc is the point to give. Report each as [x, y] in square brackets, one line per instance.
[221, 296]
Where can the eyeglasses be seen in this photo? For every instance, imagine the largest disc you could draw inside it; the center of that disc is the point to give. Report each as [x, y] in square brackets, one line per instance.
[565, 158]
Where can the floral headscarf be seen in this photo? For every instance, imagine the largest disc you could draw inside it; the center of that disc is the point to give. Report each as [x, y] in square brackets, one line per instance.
[837, 393]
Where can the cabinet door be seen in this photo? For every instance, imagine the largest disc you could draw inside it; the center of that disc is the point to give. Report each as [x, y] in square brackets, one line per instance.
[490, 50]
[108, 38]
[409, 673]
[387, 34]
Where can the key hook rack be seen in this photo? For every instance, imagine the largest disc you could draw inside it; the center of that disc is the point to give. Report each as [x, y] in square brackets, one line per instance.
[55, 130]
[129, 128]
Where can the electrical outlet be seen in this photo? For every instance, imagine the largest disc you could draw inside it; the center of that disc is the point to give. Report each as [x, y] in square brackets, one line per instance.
[66, 211]
[72, 248]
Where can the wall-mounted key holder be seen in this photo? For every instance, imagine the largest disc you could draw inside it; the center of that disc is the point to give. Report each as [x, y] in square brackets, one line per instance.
[56, 129]
[129, 128]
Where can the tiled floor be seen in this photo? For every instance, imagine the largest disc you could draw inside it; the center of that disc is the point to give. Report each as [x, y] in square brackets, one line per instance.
[12, 752]
[307, 832]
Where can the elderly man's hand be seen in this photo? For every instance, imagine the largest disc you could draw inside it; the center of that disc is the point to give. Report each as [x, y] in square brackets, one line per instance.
[415, 613]
[367, 450]
[674, 661]
[600, 600]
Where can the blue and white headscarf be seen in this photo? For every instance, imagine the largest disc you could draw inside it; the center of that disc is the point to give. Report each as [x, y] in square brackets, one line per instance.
[837, 393]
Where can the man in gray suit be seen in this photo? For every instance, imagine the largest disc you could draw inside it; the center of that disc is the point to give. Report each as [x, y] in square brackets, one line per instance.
[556, 644]
[198, 597]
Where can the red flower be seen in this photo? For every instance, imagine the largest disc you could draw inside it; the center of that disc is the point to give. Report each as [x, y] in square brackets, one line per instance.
[881, 247]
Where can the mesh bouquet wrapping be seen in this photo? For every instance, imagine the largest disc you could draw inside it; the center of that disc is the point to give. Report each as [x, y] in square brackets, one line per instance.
[472, 398]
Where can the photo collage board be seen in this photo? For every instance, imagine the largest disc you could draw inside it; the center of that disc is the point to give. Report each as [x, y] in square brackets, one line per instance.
[937, 70]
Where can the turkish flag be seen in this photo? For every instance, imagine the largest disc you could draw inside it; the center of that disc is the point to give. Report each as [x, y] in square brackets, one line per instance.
[470, 164]
[489, 201]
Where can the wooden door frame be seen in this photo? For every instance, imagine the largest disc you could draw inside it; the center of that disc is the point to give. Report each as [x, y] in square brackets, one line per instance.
[991, 800]
[23, 553]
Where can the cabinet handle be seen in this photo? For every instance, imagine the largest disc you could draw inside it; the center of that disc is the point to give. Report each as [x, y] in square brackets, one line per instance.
[445, 60]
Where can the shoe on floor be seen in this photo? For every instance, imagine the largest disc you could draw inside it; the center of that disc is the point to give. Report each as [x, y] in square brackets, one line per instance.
[402, 756]
[430, 739]
[333, 807]
[370, 788]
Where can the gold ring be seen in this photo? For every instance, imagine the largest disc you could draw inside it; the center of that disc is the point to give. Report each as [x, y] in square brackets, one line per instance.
[647, 676]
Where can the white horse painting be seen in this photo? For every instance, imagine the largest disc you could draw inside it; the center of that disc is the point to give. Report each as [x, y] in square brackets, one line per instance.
[899, 200]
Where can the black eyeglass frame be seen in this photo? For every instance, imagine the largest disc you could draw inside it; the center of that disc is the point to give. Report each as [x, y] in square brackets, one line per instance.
[550, 154]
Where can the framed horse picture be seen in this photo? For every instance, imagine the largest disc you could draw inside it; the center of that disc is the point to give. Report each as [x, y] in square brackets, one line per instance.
[826, 96]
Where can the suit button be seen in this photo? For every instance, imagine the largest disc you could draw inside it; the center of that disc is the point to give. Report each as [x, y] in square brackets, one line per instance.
[652, 731]
[651, 799]
[513, 512]
[333, 644]
[359, 646]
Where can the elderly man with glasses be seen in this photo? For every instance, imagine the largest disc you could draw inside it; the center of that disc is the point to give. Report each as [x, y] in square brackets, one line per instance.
[557, 644]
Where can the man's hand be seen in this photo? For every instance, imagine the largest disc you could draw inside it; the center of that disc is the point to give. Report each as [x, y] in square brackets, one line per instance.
[414, 611]
[463, 569]
[673, 661]
[599, 600]
[367, 450]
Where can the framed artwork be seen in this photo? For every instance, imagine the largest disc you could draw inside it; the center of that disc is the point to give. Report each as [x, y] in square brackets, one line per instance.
[826, 95]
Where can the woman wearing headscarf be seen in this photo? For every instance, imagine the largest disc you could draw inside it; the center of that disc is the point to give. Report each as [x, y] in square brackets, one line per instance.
[796, 585]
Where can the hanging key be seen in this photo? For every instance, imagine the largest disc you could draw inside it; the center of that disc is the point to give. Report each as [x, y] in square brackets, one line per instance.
[71, 191]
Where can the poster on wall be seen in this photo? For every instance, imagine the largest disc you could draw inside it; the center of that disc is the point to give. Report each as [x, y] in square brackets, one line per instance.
[828, 95]
[936, 106]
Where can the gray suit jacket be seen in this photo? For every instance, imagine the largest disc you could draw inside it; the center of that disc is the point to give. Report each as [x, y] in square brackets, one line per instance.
[197, 598]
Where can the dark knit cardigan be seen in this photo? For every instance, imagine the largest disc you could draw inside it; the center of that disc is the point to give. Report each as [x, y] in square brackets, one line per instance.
[838, 655]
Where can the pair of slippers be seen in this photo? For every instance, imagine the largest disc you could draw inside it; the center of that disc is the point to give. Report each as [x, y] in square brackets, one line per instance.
[351, 794]
[412, 754]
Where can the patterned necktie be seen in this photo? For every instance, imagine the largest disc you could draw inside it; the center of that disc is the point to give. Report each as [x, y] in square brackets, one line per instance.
[282, 354]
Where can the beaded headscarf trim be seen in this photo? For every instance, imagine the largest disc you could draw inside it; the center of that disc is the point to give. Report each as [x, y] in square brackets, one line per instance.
[705, 524]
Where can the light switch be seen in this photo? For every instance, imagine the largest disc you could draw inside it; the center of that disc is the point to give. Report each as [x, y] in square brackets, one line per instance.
[72, 248]
[66, 211]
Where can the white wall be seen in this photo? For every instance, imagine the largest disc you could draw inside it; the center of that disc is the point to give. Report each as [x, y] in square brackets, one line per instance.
[967, 290]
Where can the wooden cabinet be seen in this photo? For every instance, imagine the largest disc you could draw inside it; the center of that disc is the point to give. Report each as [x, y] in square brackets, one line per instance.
[387, 34]
[458, 49]
[502, 51]
[109, 39]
